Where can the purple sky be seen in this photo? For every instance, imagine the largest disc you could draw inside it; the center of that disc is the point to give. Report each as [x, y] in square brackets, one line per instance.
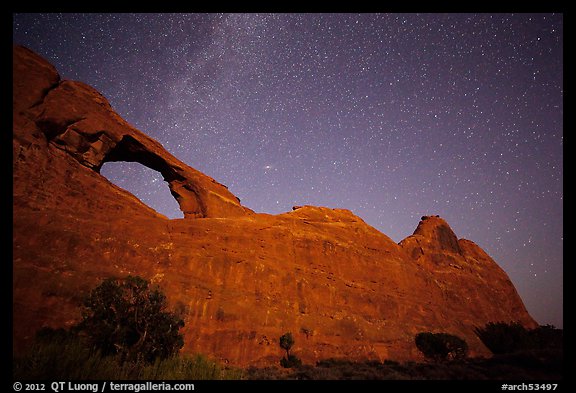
[392, 116]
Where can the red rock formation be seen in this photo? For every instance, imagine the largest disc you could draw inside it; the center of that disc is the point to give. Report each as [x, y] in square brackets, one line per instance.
[240, 279]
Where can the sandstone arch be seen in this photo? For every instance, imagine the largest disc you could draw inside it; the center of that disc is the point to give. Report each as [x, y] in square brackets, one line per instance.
[145, 183]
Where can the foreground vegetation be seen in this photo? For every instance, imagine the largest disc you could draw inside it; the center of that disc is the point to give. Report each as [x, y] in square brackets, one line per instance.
[127, 333]
[532, 365]
[69, 358]
[519, 354]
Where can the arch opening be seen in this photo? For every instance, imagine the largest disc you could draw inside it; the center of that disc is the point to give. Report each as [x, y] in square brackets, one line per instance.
[148, 185]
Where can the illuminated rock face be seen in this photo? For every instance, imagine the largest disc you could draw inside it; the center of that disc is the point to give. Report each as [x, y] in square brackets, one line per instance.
[239, 279]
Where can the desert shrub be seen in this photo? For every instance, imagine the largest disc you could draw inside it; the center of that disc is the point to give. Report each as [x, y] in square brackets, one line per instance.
[59, 354]
[265, 373]
[537, 365]
[196, 367]
[286, 342]
[291, 361]
[502, 338]
[128, 318]
[546, 337]
[332, 362]
[64, 355]
[441, 346]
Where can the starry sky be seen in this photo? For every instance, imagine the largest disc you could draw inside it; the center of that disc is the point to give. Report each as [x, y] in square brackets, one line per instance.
[392, 116]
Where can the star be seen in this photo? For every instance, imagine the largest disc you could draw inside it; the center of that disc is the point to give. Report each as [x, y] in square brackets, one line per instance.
[392, 116]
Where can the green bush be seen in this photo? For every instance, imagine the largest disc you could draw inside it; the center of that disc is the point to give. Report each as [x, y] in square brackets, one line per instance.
[128, 318]
[60, 354]
[441, 346]
[286, 342]
[64, 355]
[290, 362]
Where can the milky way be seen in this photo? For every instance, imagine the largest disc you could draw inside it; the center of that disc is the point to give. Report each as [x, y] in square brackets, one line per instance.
[392, 116]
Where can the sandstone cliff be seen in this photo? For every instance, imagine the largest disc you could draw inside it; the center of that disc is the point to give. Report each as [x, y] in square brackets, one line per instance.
[240, 279]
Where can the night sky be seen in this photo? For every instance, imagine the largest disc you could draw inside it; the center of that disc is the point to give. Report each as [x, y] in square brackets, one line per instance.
[392, 116]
